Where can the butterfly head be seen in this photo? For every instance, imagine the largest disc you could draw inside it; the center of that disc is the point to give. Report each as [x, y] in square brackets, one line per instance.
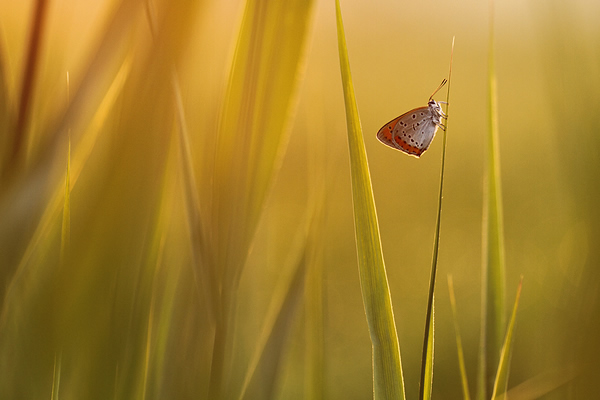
[436, 111]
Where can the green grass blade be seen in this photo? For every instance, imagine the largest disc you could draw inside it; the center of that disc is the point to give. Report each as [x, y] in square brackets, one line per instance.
[253, 130]
[459, 348]
[428, 336]
[90, 87]
[493, 274]
[254, 121]
[427, 361]
[56, 378]
[65, 237]
[501, 381]
[76, 164]
[544, 383]
[282, 312]
[387, 369]
[203, 278]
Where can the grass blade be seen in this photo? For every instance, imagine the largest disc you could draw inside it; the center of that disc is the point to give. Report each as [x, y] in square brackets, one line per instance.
[501, 381]
[387, 368]
[428, 342]
[76, 165]
[282, 311]
[459, 348]
[427, 360]
[544, 383]
[56, 378]
[6, 114]
[251, 137]
[28, 83]
[203, 279]
[65, 238]
[493, 274]
[254, 120]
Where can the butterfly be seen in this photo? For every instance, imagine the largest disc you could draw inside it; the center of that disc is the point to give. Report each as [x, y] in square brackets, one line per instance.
[413, 132]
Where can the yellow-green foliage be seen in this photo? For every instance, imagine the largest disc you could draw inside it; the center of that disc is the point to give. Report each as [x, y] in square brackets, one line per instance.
[177, 218]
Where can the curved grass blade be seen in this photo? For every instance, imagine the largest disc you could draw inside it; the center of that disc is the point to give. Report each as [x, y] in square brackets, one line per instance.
[76, 165]
[65, 238]
[501, 381]
[203, 278]
[459, 348]
[428, 340]
[544, 383]
[254, 121]
[493, 274]
[253, 130]
[387, 368]
[282, 312]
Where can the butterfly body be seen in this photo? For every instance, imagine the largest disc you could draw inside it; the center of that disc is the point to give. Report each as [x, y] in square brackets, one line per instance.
[413, 132]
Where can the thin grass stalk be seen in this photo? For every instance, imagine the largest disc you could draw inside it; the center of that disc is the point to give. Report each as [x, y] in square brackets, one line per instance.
[459, 348]
[387, 369]
[89, 88]
[205, 283]
[65, 239]
[427, 355]
[56, 377]
[501, 379]
[493, 270]
[52, 209]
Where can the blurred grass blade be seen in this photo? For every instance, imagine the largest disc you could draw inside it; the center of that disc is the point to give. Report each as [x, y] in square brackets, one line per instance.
[206, 284]
[56, 378]
[254, 121]
[198, 240]
[82, 153]
[65, 238]
[544, 383]
[28, 83]
[387, 369]
[427, 354]
[90, 87]
[493, 274]
[262, 373]
[252, 133]
[501, 381]
[164, 283]
[6, 113]
[459, 348]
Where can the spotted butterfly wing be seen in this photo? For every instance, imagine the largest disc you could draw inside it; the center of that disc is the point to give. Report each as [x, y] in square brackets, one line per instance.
[413, 132]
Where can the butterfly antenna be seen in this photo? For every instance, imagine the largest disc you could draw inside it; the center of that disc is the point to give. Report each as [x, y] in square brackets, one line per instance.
[439, 87]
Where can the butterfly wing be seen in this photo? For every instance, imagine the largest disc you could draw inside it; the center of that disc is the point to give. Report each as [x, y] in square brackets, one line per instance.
[411, 133]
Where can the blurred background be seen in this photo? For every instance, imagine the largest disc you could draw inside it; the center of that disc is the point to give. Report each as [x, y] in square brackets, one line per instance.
[199, 239]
